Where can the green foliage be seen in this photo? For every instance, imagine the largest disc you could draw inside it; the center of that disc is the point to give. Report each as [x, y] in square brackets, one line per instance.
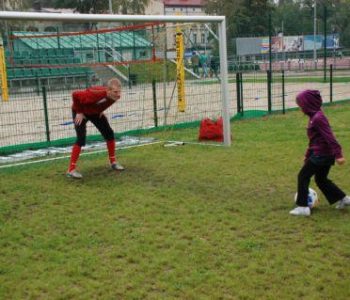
[189, 222]
[250, 18]
[98, 6]
[146, 73]
[342, 21]
[286, 14]
[153, 71]
[131, 6]
[244, 18]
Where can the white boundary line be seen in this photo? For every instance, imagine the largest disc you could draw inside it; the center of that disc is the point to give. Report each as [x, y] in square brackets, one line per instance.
[180, 143]
[68, 156]
[104, 150]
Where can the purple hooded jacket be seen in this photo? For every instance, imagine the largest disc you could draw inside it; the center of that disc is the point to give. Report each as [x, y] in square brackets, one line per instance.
[322, 141]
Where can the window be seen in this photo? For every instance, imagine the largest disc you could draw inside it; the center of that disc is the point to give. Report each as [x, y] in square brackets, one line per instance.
[50, 29]
[32, 28]
[142, 53]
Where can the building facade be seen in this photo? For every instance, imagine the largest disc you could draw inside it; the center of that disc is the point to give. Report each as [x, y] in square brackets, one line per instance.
[196, 35]
[11, 4]
[155, 7]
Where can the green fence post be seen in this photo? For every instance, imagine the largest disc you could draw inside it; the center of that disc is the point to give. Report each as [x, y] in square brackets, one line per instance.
[133, 48]
[270, 43]
[154, 103]
[241, 93]
[46, 115]
[87, 84]
[129, 81]
[58, 38]
[98, 48]
[269, 100]
[38, 84]
[269, 72]
[283, 94]
[331, 83]
[238, 90]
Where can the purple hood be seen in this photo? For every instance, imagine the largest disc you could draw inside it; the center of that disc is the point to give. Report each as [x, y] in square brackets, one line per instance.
[310, 101]
[322, 141]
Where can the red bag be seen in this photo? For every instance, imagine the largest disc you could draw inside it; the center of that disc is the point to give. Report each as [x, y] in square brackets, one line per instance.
[211, 130]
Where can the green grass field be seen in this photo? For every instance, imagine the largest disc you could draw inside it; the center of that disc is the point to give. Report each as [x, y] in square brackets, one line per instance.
[186, 222]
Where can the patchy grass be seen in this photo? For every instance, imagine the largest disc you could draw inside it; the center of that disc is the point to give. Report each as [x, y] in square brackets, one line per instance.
[187, 222]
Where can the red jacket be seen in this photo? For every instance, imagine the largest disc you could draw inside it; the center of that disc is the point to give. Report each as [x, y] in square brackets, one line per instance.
[91, 101]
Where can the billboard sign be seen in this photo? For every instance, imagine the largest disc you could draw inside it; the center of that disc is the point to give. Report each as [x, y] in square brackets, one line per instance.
[293, 43]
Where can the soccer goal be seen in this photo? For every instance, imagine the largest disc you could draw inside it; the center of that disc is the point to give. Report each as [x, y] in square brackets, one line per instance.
[173, 70]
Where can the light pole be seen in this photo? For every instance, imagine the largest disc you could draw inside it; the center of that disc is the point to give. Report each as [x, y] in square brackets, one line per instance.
[5, 26]
[334, 44]
[282, 45]
[110, 7]
[315, 32]
[325, 43]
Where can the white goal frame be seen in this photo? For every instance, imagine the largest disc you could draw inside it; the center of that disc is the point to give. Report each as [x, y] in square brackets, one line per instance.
[220, 20]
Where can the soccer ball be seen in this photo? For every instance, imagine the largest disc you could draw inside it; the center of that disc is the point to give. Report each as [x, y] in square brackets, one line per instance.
[312, 199]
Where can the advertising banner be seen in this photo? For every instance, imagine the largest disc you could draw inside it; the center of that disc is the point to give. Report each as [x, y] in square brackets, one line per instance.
[297, 43]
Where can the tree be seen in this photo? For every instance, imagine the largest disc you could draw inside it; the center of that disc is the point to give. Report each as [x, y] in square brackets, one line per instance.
[340, 20]
[244, 17]
[287, 12]
[102, 6]
[16, 4]
[82, 6]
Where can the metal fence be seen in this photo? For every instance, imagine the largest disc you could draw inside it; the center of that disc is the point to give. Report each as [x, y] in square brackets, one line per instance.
[40, 118]
[264, 92]
[43, 68]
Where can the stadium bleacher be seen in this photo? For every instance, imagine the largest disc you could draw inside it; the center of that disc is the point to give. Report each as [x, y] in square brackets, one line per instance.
[44, 63]
[35, 55]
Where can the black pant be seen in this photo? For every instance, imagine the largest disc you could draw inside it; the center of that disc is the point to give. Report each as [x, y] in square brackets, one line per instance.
[328, 188]
[101, 124]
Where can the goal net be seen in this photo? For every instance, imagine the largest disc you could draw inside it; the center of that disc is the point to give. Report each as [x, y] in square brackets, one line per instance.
[173, 70]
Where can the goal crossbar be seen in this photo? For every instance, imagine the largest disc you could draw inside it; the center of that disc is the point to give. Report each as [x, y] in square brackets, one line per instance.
[16, 15]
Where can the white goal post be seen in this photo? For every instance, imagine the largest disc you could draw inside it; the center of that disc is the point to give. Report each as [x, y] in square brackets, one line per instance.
[220, 20]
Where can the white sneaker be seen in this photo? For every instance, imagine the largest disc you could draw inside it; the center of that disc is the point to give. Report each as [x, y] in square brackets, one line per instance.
[74, 174]
[117, 167]
[343, 203]
[301, 211]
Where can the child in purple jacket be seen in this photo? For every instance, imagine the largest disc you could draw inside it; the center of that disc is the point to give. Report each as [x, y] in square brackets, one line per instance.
[322, 152]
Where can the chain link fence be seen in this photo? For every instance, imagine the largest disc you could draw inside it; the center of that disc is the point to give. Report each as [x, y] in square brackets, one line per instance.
[264, 73]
